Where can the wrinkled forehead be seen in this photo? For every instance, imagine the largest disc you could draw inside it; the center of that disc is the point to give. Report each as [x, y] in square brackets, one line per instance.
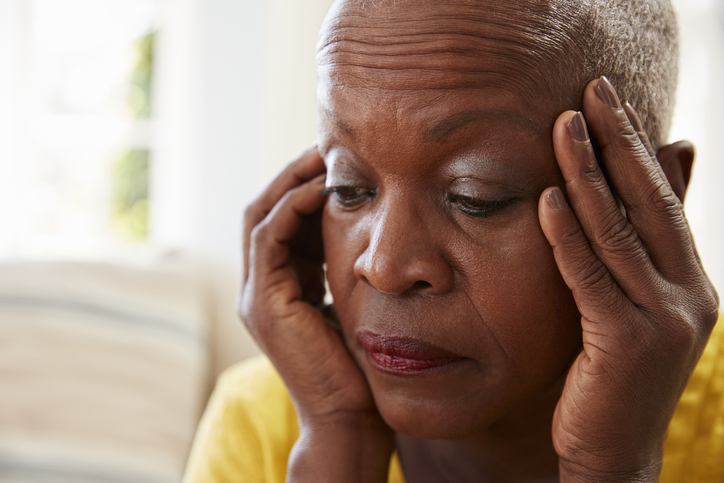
[417, 44]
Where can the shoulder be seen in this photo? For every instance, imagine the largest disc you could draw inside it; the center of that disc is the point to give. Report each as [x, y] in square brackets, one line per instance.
[248, 428]
[252, 384]
[696, 433]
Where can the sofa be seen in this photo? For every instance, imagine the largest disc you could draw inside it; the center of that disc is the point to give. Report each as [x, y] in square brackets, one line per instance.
[105, 369]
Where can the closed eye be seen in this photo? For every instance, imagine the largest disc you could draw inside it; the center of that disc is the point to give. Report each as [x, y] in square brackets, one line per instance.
[349, 196]
[479, 208]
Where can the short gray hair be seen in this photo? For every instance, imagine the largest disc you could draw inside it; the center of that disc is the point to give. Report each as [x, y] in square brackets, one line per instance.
[632, 42]
[635, 44]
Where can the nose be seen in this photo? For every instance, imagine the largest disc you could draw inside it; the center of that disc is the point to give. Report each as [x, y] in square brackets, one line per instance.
[403, 254]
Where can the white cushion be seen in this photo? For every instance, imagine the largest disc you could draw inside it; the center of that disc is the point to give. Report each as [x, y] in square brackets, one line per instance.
[104, 372]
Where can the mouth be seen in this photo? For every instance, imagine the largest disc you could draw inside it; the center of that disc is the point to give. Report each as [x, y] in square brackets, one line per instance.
[404, 356]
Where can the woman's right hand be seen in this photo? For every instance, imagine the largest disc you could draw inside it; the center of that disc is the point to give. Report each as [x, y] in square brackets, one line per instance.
[342, 436]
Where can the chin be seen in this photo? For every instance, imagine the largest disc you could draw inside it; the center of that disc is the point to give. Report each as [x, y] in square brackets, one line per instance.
[428, 419]
[460, 411]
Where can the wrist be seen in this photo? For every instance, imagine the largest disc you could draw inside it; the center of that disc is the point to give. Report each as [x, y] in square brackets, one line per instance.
[350, 448]
[572, 472]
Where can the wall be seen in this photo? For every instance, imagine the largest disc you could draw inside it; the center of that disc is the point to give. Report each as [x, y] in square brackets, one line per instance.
[235, 94]
[235, 101]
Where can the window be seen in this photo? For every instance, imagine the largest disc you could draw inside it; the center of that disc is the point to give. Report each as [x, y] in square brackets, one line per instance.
[77, 130]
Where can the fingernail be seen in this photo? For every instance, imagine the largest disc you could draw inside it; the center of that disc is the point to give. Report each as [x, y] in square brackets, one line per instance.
[556, 200]
[577, 128]
[607, 93]
[633, 116]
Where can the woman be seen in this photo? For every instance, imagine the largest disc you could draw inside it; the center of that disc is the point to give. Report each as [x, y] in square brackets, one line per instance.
[483, 327]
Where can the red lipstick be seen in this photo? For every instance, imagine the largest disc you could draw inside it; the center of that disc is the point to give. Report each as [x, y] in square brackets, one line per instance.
[403, 356]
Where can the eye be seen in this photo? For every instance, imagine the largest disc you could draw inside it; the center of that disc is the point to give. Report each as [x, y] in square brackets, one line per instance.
[349, 196]
[480, 208]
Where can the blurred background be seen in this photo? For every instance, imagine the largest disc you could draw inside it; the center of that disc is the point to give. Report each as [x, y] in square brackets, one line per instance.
[130, 128]
[132, 134]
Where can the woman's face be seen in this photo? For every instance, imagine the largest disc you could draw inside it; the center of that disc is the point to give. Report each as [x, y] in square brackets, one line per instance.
[447, 291]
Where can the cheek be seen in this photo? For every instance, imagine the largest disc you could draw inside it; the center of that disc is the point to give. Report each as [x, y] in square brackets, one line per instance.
[341, 241]
[509, 274]
[518, 289]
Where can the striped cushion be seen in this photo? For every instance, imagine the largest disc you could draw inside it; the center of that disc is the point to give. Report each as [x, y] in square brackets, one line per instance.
[103, 372]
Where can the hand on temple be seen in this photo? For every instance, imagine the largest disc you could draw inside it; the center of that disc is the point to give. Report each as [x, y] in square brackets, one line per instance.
[342, 436]
[647, 306]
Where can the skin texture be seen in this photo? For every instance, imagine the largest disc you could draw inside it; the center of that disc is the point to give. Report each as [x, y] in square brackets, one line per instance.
[446, 224]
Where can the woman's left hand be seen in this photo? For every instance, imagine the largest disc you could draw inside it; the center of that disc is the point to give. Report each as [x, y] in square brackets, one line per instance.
[647, 307]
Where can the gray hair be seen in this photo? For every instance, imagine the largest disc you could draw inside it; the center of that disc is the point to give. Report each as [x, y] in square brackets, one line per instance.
[632, 42]
[635, 44]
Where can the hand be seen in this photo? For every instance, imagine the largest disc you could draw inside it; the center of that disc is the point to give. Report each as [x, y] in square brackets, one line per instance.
[281, 302]
[647, 307]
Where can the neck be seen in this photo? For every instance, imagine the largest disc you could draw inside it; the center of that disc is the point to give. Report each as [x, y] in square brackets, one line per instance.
[515, 449]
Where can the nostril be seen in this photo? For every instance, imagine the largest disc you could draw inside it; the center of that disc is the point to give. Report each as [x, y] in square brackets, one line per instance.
[421, 284]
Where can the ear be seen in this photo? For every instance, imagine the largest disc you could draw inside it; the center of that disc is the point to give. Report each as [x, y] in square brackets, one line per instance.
[676, 160]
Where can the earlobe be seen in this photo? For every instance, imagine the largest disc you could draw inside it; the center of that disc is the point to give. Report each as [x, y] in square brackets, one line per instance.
[677, 160]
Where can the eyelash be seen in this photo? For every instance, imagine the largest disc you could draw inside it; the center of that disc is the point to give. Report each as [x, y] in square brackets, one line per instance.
[479, 208]
[351, 196]
[348, 196]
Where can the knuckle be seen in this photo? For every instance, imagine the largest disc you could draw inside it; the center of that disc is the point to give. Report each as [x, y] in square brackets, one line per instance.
[710, 309]
[251, 315]
[252, 215]
[664, 200]
[685, 332]
[573, 240]
[259, 233]
[627, 143]
[683, 340]
[248, 213]
[590, 270]
[594, 176]
[573, 237]
[291, 193]
[594, 275]
[657, 194]
[628, 138]
[246, 317]
[591, 273]
[709, 320]
[245, 302]
[688, 320]
[242, 311]
[619, 237]
[714, 300]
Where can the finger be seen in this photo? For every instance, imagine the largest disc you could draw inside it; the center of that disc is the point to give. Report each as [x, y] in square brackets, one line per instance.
[308, 165]
[597, 295]
[269, 241]
[612, 238]
[651, 205]
[638, 126]
[311, 280]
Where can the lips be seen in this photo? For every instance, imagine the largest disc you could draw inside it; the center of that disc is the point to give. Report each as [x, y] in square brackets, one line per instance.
[403, 356]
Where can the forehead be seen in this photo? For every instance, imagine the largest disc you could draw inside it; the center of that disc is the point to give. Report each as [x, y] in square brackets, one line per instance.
[418, 45]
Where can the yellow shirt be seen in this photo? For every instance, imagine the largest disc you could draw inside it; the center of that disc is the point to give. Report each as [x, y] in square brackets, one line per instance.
[250, 426]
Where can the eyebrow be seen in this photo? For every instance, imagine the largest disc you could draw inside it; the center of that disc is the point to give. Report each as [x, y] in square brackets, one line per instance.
[342, 126]
[446, 127]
